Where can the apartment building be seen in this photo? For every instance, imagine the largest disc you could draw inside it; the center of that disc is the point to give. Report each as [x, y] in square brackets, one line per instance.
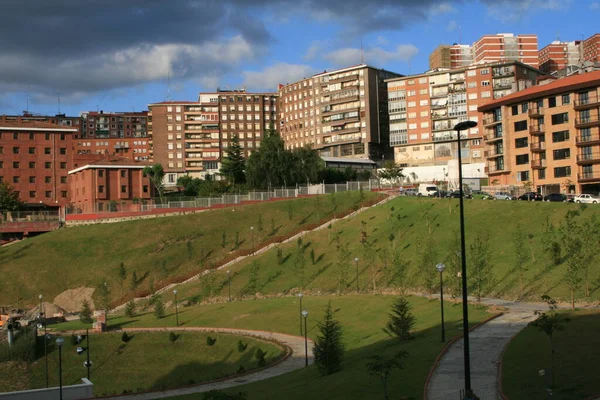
[559, 55]
[34, 158]
[424, 108]
[341, 113]
[548, 135]
[189, 137]
[488, 49]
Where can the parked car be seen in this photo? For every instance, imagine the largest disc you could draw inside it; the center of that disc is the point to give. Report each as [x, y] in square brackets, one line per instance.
[587, 198]
[427, 189]
[531, 196]
[556, 197]
[455, 194]
[503, 196]
[409, 192]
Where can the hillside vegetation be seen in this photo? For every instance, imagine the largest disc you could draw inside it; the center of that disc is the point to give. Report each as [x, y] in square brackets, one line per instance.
[514, 250]
[155, 252]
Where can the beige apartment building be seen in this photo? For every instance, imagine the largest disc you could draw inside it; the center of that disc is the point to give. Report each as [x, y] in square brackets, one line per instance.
[341, 113]
[548, 135]
[189, 137]
[424, 108]
[488, 49]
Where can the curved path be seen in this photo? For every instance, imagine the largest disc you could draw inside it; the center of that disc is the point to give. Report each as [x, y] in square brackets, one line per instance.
[294, 360]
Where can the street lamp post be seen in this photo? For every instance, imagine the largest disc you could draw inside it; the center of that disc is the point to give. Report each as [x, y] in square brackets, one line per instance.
[300, 296]
[356, 262]
[45, 338]
[229, 284]
[461, 126]
[88, 363]
[440, 267]
[305, 315]
[252, 232]
[176, 309]
[59, 342]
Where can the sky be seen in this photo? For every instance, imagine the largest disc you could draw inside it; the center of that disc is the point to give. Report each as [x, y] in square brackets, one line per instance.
[121, 55]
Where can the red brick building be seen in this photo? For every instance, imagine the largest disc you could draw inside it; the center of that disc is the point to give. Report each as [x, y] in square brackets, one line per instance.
[108, 184]
[35, 158]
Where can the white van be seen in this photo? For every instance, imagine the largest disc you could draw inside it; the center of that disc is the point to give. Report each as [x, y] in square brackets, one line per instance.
[427, 189]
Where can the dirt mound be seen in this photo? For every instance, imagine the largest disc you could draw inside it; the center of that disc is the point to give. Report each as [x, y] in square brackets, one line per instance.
[72, 300]
[51, 310]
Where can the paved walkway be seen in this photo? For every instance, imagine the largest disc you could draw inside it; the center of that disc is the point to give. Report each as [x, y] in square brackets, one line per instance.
[295, 361]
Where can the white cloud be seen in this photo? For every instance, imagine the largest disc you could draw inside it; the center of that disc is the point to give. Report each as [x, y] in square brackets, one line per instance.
[595, 6]
[441, 8]
[315, 48]
[452, 26]
[280, 73]
[381, 41]
[375, 55]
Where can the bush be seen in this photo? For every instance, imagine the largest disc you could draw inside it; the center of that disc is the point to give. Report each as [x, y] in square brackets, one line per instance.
[260, 356]
[85, 315]
[210, 341]
[173, 337]
[241, 369]
[159, 307]
[401, 320]
[130, 308]
[329, 349]
[241, 346]
[125, 337]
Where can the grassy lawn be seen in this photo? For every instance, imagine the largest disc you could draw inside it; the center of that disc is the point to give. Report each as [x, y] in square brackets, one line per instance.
[577, 350]
[159, 250]
[410, 222]
[149, 361]
[363, 318]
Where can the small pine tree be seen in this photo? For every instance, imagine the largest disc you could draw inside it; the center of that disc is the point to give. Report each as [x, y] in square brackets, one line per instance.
[241, 346]
[122, 273]
[130, 308]
[223, 239]
[329, 348]
[210, 341]
[134, 281]
[272, 226]
[173, 337]
[312, 256]
[85, 315]
[401, 320]
[279, 256]
[259, 224]
[260, 356]
[159, 307]
[125, 337]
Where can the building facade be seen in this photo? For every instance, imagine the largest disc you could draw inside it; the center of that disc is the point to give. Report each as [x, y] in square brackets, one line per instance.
[35, 158]
[566, 58]
[110, 184]
[548, 135]
[424, 108]
[341, 113]
[191, 137]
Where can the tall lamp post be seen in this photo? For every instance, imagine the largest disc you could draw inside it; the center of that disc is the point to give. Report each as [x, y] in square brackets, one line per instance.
[300, 296]
[305, 315]
[59, 342]
[440, 267]
[356, 262]
[461, 126]
[45, 338]
[229, 284]
[252, 233]
[88, 363]
[176, 309]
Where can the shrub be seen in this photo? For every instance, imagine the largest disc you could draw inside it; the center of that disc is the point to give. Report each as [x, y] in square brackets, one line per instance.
[260, 356]
[85, 315]
[401, 320]
[241, 346]
[329, 349]
[173, 337]
[241, 369]
[159, 307]
[210, 341]
[125, 337]
[130, 308]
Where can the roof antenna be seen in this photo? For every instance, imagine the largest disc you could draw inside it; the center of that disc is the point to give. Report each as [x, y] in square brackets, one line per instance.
[362, 51]
[58, 94]
[169, 84]
[27, 108]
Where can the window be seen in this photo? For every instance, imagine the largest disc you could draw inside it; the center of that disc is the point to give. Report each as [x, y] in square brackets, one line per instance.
[47, 165]
[15, 136]
[101, 189]
[123, 173]
[16, 164]
[522, 176]
[561, 136]
[562, 154]
[521, 142]
[484, 71]
[515, 110]
[62, 136]
[31, 136]
[63, 194]
[551, 102]
[47, 150]
[561, 172]
[123, 189]
[48, 193]
[542, 174]
[560, 118]
[32, 193]
[31, 164]
[16, 150]
[32, 150]
[522, 159]
[566, 99]
[63, 165]
[524, 107]
[48, 179]
[1, 150]
[521, 126]
[32, 179]
[16, 179]
[63, 150]
[100, 173]
[145, 188]
[63, 179]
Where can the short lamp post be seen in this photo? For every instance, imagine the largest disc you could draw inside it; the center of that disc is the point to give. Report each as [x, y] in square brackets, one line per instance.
[252, 234]
[461, 126]
[300, 296]
[45, 337]
[356, 262]
[88, 363]
[176, 309]
[229, 284]
[59, 342]
[440, 267]
[305, 315]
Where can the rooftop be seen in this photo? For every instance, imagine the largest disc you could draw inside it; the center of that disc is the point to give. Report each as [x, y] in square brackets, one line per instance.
[19, 124]
[111, 162]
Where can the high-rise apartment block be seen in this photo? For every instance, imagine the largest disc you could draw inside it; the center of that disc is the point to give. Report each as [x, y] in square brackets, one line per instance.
[341, 113]
[35, 158]
[548, 135]
[488, 49]
[190, 137]
[424, 108]
[575, 56]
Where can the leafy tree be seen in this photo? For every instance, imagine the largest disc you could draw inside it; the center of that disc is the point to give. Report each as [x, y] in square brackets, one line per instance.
[382, 367]
[279, 256]
[233, 165]
[156, 174]
[400, 268]
[241, 347]
[401, 320]
[104, 293]
[390, 171]
[312, 256]
[130, 308]
[9, 198]
[427, 256]
[575, 253]
[159, 307]
[271, 165]
[307, 164]
[520, 265]
[551, 242]
[329, 347]
[85, 315]
[549, 323]
[482, 273]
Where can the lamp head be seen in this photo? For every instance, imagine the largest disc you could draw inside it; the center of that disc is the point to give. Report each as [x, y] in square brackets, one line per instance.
[304, 313]
[40, 296]
[355, 259]
[300, 294]
[175, 291]
[60, 341]
[79, 350]
[251, 228]
[440, 267]
[228, 272]
[461, 126]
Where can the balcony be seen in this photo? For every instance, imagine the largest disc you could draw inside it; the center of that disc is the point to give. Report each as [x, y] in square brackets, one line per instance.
[491, 137]
[491, 120]
[494, 153]
[588, 158]
[536, 112]
[437, 106]
[344, 79]
[592, 120]
[537, 147]
[441, 127]
[503, 85]
[495, 170]
[499, 72]
[437, 116]
[448, 136]
[443, 93]
[457, 78]
[590, 102]
[593, 176]
[537, 129]
[538, 164]
[587, 140]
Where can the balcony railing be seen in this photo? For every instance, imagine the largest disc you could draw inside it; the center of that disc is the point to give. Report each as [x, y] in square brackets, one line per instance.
[439, 94]
[538, 164]
[592, 120]
[436, 106]
[536, 112]
[537, 146]
[588, 176]
[492, 137]
[587, 140]
[536, 129]
[498, 72]
[494, 152]
[491, 120]
[588, 158]
[493, 169]
[589, 102]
